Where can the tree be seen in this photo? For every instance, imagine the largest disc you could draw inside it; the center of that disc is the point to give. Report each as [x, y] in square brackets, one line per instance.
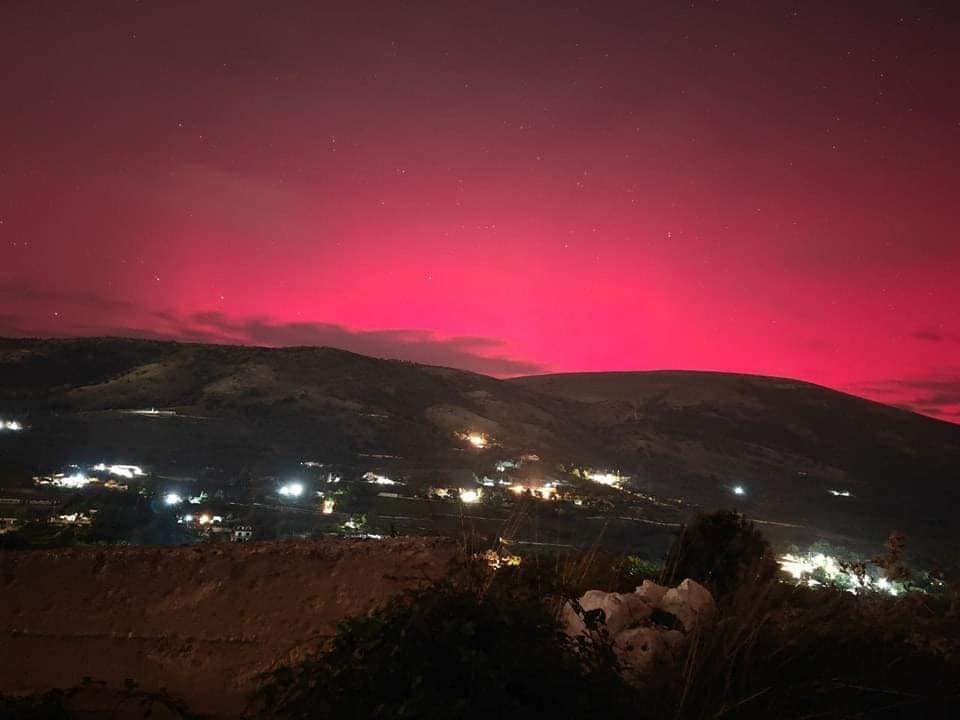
[722, 550]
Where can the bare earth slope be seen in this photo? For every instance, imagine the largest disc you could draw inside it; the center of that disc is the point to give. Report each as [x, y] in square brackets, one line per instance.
[201, 621]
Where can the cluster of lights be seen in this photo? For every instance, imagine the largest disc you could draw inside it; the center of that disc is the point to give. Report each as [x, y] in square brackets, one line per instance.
[840, 493]
[125, 471]
[606, 478]
[379, 479]
[477, 439]
[291, 490]
[77, 518]
[75, 481]
[739, 490]
[547, 491]
[469, 497]
[496, 560]
[202, 519]
[803, 568]
[172, 498]
[11, 425]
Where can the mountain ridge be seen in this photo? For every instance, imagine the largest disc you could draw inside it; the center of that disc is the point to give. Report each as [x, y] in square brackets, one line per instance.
[679, 434]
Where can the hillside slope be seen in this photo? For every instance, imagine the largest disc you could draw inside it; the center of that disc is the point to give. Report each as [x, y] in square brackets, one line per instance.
[237, 405]
[787, 443]
[678, 434]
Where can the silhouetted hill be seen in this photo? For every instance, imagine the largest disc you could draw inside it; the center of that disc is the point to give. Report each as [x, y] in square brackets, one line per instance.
[679, 434]
[788, 443]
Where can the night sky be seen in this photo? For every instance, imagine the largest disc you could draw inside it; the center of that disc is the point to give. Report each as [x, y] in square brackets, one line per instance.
[763, 186]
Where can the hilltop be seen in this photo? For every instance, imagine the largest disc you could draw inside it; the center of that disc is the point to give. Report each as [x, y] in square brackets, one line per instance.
[688, 435]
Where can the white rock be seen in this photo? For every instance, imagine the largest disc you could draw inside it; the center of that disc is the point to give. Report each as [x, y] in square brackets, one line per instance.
[640, 646]
[651, 592]
[691, 603]
[640, 649]
[593, 599]
[573, 624]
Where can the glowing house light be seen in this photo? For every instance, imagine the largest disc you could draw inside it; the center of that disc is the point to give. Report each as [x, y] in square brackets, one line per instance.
[125, 471]
[478, 440]
[77, 480]
[172, 498]
[292, 489]
[378, 479]
[328, 505]
[545, 492]
[12, 425]
[606, 478]
[470, 497]
[739, 490]
[840, 493]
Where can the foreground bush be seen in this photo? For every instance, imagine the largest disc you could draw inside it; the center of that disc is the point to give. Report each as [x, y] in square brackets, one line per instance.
[492, 649]
[450, 652]
[722, 550]
[782, 651]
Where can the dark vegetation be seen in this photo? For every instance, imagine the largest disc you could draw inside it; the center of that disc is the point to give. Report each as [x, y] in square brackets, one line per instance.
[117, 519]
[722, 550]
[482, 646]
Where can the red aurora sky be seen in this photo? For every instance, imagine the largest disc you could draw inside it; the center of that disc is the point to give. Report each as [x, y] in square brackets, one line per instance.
[767, 187]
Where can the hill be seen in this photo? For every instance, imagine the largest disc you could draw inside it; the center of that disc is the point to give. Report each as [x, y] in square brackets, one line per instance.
[689, 435]
[245, 406]
[788, 444]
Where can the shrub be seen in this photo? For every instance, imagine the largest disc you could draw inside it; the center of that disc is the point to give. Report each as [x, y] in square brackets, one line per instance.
[723, 550]
[444, 651]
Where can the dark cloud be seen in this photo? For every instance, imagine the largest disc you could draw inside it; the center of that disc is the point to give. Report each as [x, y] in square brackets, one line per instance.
[937, 396]
[478, 354]
[937, 336]
[119, 318]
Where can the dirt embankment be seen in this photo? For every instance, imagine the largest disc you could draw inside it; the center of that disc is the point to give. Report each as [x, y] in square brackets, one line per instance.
[200, 621]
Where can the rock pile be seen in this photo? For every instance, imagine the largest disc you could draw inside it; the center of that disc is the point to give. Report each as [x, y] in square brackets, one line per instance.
[649, 629]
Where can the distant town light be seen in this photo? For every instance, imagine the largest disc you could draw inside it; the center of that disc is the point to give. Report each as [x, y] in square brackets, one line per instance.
[378, 479]
[803, 568]
[187, 518]
[606, 478]
[840, 493]
[545, 492]
[124, 471]
[77, 480]
[291, 489]
[739, 490]
[11, 425]
[478, 440]
[172, 498]
[470, 496]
